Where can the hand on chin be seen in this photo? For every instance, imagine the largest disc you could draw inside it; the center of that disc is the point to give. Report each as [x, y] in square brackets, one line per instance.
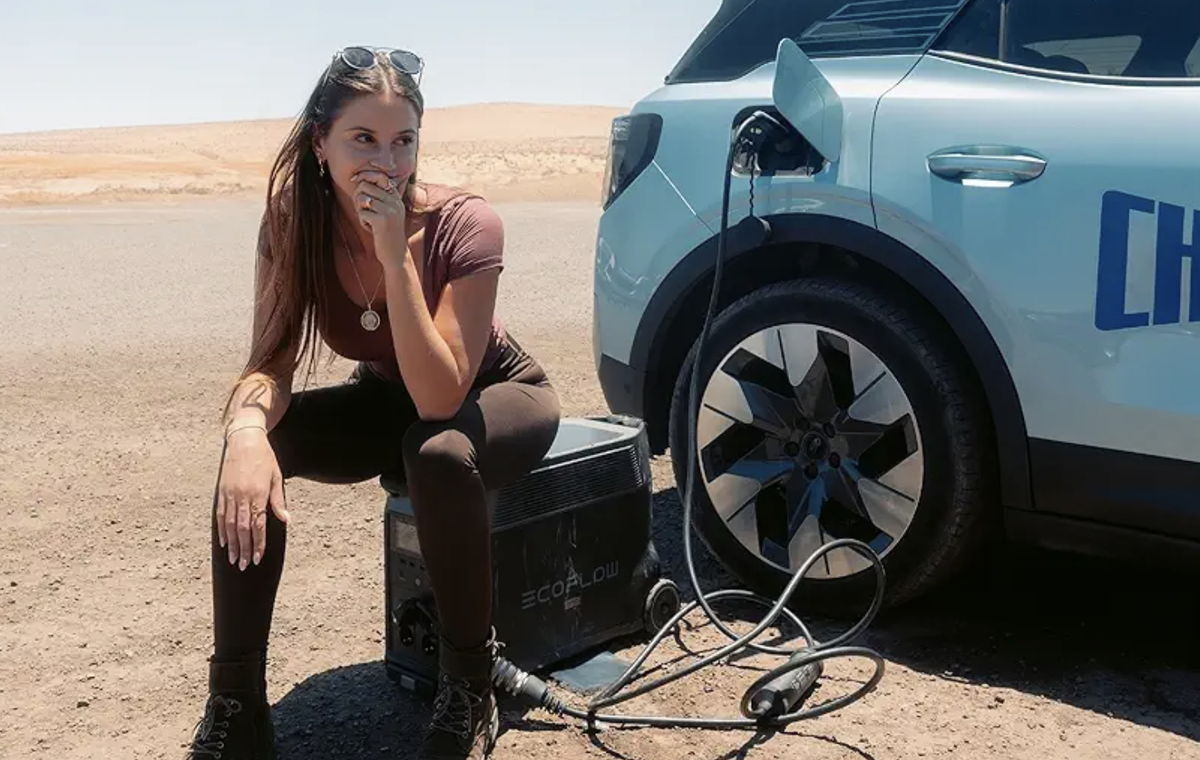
[379, 203]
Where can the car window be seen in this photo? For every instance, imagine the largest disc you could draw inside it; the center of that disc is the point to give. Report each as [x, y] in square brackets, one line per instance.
[745, 34]
[1193, 61]
[1115, 38]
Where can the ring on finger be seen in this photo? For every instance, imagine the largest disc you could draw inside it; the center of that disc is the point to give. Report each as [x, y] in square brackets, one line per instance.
[366, 204]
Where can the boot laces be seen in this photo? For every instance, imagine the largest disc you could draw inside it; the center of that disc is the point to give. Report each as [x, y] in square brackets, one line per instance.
[455, 709]
[210, 733]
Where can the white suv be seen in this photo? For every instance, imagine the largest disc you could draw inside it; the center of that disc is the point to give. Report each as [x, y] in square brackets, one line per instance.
[975, 315]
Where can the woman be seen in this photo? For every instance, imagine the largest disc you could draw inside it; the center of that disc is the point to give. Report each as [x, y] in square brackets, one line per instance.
[402, 277]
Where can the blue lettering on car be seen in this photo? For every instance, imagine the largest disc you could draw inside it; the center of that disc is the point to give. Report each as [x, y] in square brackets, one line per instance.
[1112, 273]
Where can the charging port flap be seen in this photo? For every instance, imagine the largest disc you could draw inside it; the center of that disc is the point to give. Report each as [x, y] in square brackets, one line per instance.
[806, 99]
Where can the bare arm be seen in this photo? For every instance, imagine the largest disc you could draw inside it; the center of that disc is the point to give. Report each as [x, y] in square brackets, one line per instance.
[439, 354]
[261, 398]
[250, 477]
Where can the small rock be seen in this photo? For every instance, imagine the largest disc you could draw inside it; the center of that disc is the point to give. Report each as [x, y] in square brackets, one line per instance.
[82, 703]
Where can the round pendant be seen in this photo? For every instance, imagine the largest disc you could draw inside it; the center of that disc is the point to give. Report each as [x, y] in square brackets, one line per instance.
[370, 320]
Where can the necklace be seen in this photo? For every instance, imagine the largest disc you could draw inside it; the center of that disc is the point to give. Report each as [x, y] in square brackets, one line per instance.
[369, 320]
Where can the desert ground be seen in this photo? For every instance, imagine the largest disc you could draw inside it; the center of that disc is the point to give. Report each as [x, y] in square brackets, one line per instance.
[125, 265]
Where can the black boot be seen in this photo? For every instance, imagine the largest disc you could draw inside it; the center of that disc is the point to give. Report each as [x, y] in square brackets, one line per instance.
[465, 719]
[237, 717]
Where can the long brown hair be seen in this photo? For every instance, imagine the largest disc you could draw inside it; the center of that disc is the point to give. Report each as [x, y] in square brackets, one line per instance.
[295, 235]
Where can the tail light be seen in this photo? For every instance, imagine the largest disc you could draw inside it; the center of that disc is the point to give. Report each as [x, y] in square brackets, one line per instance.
[632, 143]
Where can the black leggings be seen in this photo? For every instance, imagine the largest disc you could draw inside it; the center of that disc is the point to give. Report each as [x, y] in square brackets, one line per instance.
[367, 427]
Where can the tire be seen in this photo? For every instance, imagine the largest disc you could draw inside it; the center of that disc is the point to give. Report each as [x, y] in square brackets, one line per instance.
[908, 379]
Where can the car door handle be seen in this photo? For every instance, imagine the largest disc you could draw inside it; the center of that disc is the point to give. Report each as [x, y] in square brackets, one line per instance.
[982, 163]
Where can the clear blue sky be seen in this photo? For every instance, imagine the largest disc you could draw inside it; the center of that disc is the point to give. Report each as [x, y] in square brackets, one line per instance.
[82, 63]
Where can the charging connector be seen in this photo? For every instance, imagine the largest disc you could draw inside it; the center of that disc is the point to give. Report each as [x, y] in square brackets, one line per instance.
[521, 684]
[780, 695]
[763, 130]
[773, 699]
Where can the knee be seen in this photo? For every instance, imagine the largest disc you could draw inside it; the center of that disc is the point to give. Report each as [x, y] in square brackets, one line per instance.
[437, 455]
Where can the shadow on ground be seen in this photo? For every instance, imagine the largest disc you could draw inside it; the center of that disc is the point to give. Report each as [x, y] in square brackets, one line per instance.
[350, 712]
[1104, 637]
[1112, 638]
[356, 712]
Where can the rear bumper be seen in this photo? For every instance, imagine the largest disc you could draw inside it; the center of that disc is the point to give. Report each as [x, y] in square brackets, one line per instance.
[624, 387]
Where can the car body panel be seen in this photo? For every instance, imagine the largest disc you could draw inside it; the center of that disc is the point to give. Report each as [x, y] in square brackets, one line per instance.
[649, 223]
[698, 121]
[1032, 256]
[645, 233]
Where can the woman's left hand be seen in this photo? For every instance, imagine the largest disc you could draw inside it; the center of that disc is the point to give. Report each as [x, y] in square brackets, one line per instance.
[380, 206]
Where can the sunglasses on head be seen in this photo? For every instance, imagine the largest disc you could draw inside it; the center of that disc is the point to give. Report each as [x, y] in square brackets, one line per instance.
[361, 58]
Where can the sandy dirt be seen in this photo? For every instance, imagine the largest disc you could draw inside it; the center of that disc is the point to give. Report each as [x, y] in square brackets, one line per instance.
[123, 324]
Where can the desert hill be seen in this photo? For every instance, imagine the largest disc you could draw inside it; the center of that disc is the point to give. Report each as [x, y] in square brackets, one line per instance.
[507, 151]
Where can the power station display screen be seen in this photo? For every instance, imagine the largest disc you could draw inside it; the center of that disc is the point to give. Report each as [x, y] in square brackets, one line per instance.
[403, 534]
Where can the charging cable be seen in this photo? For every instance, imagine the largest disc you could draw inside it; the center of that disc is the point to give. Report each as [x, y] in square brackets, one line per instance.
[773, 699]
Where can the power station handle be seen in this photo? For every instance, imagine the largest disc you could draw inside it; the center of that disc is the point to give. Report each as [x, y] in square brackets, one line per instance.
[781, 695]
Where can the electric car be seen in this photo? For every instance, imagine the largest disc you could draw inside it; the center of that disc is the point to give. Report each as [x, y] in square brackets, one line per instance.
[972, 314]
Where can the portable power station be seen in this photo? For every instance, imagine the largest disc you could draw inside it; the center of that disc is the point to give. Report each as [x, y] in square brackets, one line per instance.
[574, 562]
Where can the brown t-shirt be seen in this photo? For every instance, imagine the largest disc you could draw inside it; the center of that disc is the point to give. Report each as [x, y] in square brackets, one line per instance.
[463, 235]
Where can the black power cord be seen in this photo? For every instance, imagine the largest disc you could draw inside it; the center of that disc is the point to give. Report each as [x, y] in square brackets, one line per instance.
[771, 701]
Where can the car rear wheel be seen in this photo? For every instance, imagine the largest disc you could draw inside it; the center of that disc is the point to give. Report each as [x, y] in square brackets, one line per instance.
[834, 409]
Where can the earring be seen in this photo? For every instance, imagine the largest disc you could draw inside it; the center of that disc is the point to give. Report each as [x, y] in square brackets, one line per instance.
[321, 165]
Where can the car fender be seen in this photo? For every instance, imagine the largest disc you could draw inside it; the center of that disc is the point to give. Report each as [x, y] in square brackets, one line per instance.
[981, 345]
